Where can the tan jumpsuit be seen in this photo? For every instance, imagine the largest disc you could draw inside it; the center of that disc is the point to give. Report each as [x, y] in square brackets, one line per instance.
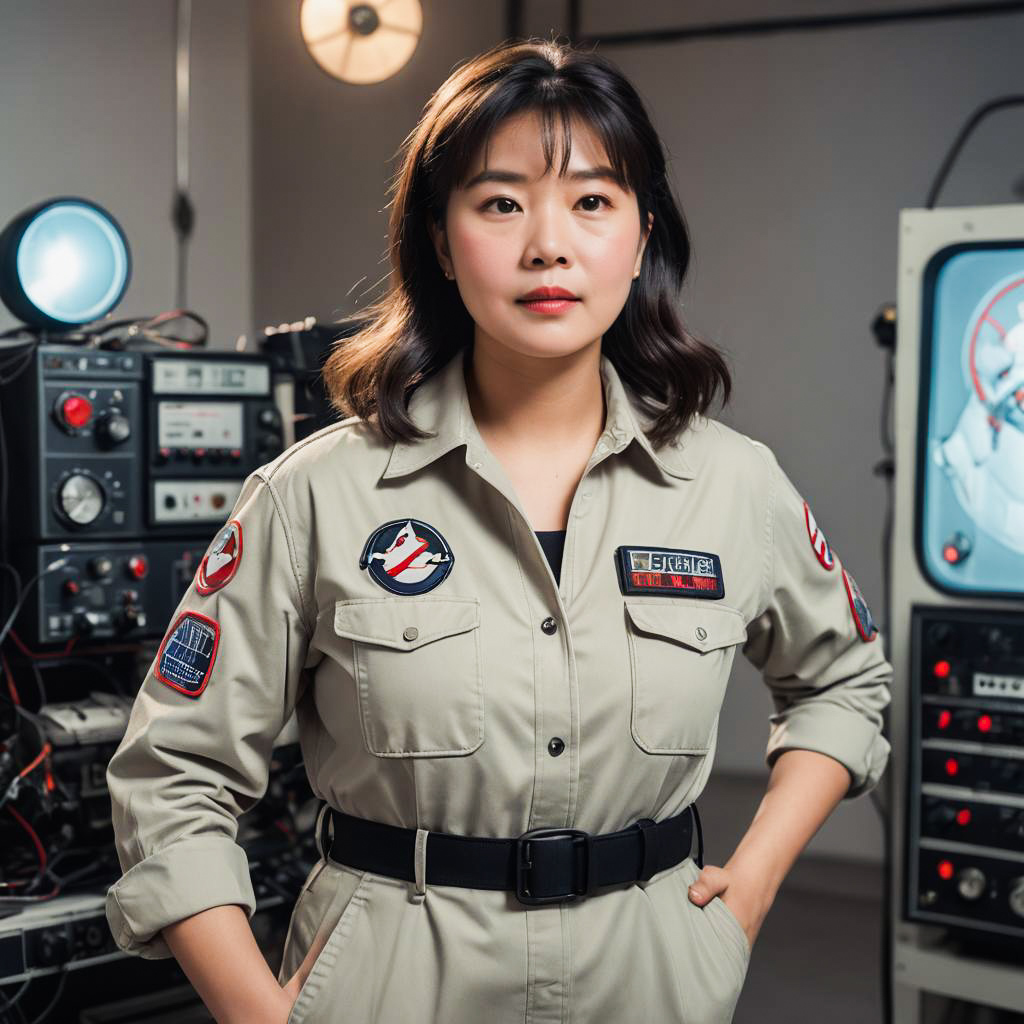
[428, 684]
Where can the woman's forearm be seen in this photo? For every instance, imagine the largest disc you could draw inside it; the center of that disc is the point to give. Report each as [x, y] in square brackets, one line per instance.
[219, 954]
[803, 789]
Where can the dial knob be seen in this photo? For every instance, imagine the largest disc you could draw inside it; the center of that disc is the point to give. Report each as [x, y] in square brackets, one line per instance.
[100, 566]
[113, 428]
[1017, 896]
[80, 499]
[970, 883]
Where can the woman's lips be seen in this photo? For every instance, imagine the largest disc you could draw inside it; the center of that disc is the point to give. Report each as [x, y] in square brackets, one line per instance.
[548, 305]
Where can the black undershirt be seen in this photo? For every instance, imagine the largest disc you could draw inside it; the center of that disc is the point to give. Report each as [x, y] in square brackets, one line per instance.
[552, 541]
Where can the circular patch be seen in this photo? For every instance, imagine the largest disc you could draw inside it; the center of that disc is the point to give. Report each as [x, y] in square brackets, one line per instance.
[861, 613]
[406, 556]
[222, 560]
[818, 542]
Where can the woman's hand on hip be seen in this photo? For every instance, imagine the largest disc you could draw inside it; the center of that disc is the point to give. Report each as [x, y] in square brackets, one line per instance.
[749, 898]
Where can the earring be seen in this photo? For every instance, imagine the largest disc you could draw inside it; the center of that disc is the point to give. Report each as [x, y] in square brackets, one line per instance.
[450, 277]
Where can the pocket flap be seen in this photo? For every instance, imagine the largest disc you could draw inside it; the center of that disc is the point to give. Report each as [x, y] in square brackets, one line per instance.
[703, 627]
[405, 623]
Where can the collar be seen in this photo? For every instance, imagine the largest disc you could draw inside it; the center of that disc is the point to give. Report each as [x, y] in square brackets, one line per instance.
[441, 405]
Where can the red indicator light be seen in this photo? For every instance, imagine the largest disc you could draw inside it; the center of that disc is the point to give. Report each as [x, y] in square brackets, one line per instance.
[950, 554]
[984, 723]
[963, 816]
[138, 566]
[945, 717]
[941, 669]
[945, 869]
[951, 766]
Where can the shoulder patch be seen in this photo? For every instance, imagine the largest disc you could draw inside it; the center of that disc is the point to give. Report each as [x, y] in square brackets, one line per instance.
[186, 656]
[223, 559]
[859, 607]
[818, 543]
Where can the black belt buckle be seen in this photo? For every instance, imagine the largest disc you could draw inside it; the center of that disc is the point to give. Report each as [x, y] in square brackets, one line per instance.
[524, 864]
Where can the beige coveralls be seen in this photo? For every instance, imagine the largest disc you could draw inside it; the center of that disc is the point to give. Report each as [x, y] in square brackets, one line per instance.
[435, 709]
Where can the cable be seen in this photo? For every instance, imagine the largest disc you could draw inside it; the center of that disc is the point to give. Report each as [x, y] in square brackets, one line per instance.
[52, 567]
[954, 151]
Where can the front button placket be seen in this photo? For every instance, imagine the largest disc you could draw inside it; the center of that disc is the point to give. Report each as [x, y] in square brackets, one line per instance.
[556, 703]
[556, 688]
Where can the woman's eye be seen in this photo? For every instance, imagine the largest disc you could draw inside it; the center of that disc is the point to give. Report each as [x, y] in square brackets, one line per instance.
[505, 199]
[500, 199]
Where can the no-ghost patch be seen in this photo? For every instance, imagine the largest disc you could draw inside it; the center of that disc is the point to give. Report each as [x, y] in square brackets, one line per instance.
[186, 656]
[859, 607]
[223, 559]
[818, 543]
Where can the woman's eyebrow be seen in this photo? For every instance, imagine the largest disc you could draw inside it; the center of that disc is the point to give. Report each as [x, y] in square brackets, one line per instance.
[515, 178]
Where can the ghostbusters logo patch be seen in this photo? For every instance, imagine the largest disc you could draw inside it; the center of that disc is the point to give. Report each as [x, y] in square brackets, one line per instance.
[186, 656]
[406, 556]
[818, 542]
[861, 614]
[222, 561]
[674, 572]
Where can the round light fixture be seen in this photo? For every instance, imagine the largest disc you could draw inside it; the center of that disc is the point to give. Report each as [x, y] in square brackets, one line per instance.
[63, 263]
[364, 42]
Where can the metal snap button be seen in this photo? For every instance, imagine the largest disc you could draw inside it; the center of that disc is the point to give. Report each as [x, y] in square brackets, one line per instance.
[556, 745]
[702, 633]
[410, 633]
[549, 625]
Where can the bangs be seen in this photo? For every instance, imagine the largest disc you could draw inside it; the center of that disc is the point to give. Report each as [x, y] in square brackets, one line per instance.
[470, 132]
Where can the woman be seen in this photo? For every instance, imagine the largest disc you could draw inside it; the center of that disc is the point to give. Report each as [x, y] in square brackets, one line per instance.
[398, 580]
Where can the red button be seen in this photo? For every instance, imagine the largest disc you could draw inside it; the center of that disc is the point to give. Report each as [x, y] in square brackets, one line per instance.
[76, 411]
[138, 566]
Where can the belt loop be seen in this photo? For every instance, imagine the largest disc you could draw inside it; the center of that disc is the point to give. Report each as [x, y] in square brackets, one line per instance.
[420, 864]
[649, 842]
[317, 831]
[700, 835]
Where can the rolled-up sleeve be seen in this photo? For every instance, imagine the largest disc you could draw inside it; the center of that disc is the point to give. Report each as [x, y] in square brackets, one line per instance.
[816, 645]
[197, 748]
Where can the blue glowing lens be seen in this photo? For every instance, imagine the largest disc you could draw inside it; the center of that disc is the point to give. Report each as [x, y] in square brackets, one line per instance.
[72, 263]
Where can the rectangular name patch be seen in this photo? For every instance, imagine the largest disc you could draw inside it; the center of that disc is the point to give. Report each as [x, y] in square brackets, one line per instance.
[670, 571]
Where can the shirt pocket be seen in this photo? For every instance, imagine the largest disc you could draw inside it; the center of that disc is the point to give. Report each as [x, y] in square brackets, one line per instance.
[680, 656]
[418, 673]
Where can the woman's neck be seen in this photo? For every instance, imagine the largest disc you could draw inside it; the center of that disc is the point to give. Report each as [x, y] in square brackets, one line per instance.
[553, 404]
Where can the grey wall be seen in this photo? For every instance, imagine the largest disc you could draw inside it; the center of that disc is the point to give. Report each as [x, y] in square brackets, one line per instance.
[87, 107]
[323, 153]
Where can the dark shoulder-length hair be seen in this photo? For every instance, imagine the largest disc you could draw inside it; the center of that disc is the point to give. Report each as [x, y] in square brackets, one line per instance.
[421, 322]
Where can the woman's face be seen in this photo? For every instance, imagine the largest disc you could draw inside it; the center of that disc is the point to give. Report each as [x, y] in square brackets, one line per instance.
[520, 229]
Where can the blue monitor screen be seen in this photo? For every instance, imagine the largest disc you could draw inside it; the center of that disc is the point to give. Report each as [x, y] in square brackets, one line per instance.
[971, 482]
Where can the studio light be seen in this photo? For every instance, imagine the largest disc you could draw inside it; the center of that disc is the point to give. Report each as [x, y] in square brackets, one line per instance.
[63, 263]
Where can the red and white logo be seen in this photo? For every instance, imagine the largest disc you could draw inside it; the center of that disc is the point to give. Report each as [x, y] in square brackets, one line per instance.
[818, 542]
[221, 563]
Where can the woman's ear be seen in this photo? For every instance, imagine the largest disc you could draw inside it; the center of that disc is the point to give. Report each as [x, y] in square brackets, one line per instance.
[440, 240]
[643, 244]
[647, 233]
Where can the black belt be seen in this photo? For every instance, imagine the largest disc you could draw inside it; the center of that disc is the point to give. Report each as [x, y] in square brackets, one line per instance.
[544, 865]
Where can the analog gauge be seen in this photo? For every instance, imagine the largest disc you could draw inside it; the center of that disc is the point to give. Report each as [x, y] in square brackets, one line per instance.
[80, 499]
